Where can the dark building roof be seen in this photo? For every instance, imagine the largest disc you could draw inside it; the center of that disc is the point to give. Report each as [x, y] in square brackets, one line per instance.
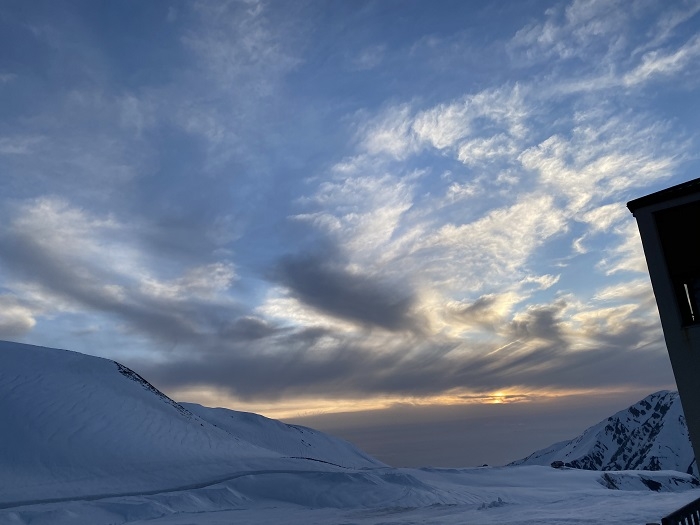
[680, 190]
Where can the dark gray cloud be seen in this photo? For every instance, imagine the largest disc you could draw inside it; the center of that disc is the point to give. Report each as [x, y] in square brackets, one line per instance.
[320, 282]
[540, 322]
[249, 328]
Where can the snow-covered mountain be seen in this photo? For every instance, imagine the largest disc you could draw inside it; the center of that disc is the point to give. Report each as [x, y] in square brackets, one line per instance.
[73, 424]
[649, 435]
[87, 440]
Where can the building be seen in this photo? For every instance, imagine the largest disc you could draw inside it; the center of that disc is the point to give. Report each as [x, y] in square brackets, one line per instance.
[669, 224]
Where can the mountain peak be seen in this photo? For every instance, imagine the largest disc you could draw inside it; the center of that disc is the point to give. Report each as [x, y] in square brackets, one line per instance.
[649, 435]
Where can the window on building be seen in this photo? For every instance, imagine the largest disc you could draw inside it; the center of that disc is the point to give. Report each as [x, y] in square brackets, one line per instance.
[679, 230]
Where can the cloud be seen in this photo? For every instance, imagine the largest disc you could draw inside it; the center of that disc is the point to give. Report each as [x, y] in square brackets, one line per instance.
[81, 148]
[601, 158]
[323, 284]
[544, 353]
[203, 282]
[637, 292]
[455, 258]
[458, 192]
[19, 145]
[578, 29]
[137, 113]
[362, 214]
[470, 257]
[237, 44]
[494, 247]
[399, 131]
[64, 252]
[540, 323]
[253, 357]
[443, 125]
[250, 328]
[489, 312]
[446, 125]
[479, 151]
[659, 63]
[390, 133]
[16, 319]
[626, 255]
[369, 58]
[592, 45]
[671, 19]
[605, 217]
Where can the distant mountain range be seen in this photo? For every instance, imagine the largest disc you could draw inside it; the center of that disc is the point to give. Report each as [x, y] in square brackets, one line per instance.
[650, 435]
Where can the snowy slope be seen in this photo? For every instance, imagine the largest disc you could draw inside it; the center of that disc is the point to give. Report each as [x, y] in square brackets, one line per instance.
[649, 435]
[86, 440]
[288, 440]
[77, 425]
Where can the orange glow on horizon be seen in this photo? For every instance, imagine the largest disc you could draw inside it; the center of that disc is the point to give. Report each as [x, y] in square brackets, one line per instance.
[312, 406]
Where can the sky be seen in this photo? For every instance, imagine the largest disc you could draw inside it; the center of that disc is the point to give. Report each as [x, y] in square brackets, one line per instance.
[350, 213]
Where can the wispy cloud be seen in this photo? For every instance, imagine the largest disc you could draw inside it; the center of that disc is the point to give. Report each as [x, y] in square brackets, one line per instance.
[574, 30]
[600, 158]
[663, 62]
[19, 145]
[390, 133]
[7, 77]
[668, 22]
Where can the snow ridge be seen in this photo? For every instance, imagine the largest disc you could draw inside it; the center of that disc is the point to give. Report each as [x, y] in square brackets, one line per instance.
[649, 435]
[129, 373]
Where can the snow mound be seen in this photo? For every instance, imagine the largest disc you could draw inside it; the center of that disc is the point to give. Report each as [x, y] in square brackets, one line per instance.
[80, 426]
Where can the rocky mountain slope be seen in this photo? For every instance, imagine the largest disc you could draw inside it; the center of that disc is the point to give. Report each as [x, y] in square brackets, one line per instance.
[649, 435]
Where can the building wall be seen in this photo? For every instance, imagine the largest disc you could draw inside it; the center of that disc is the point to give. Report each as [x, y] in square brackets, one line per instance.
[683, 342]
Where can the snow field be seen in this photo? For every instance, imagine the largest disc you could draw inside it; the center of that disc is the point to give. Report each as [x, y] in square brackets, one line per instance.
[513, 495]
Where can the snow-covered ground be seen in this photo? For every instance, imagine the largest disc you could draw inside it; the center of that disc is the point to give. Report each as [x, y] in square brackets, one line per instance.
[84, 440]
[523, 494]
